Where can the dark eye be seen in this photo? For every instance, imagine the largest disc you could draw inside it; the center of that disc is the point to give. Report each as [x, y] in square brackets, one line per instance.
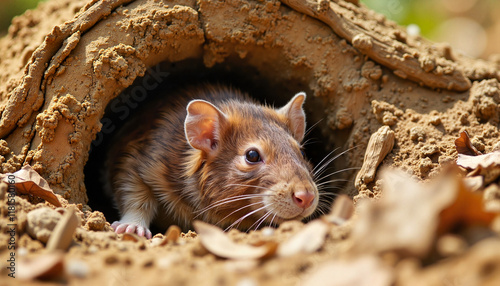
[252, 156]
[303, 153]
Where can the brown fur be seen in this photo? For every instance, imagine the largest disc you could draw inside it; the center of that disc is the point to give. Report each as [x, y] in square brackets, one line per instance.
[154, 170]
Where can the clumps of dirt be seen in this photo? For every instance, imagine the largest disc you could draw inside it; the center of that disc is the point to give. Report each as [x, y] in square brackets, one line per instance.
[415, 231]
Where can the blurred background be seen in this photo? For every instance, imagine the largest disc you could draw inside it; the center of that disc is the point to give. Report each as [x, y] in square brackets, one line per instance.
[11, 8]
[470, 26]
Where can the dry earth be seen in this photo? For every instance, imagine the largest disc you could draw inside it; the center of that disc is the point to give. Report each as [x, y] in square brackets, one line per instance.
[433, 224]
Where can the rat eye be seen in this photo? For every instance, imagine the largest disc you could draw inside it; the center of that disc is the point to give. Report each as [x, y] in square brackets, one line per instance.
[303, 153]
[252, 156]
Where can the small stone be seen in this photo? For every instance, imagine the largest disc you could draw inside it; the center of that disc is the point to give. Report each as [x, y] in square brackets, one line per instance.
[435, 120]
[247, 282]
[96, 221]
[429, 150]
[425, 165]
[267, 231]
[77, 268]
[41, 223]
[156, 241]
[451, 245]
[417, 134]
[478, 145]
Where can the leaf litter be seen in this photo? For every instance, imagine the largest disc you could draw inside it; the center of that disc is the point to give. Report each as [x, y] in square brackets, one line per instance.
[411, 225]
[29, 182]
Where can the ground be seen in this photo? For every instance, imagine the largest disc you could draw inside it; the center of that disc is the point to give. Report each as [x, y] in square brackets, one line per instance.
[419, 216]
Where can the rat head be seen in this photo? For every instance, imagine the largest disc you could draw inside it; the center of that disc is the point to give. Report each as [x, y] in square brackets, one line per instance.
[249, 162]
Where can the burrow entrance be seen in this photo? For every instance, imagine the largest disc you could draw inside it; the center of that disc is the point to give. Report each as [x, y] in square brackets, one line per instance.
[154, 87]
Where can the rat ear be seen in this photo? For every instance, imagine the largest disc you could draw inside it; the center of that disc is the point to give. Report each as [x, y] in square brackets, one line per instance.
[202, 125]
[296, 117]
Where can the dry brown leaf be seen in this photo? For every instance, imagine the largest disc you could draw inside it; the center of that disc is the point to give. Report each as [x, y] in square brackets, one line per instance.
[405, 219]
[474, 183]
[218, 243]
[173, 233]
[307, 240]
[347, 273]
[410, 214]
[44, 266]
[467, 209]
[464, 145]
[484, 161]
[130, 237]
[29, 182]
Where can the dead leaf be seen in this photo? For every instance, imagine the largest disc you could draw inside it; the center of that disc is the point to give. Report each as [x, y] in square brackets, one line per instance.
[173, 233]
[130, 237]
[44, 266]
[464, 145]
[467, 209]
[342, 210]
[307, 240]
[405, 218]
[473, 162]
[474, 183]
[29, 182]
[218, 243]
[362, 271]
[62, 236]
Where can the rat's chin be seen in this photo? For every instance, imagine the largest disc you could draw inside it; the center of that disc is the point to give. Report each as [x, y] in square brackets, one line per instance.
[300, 215]
[304, 214]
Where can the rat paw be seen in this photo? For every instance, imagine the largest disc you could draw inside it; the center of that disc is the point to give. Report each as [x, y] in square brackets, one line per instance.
[123, 227]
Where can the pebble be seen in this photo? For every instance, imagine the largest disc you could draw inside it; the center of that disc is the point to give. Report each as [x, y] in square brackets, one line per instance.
[41, 223]
[267, 231]
[417, 134]
[77, 268]
[247, 282]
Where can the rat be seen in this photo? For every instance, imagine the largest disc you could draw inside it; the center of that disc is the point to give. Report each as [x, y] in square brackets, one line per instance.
[214, 154]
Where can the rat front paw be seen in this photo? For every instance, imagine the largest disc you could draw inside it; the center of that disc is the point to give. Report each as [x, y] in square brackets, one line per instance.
[124, 227]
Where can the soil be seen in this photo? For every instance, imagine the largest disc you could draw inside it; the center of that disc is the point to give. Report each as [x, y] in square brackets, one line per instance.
[65, 62]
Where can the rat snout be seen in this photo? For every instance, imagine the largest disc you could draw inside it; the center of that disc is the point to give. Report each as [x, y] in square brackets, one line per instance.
[303, 199]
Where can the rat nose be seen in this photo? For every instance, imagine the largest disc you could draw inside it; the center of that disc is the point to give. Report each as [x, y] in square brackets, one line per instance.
[303, 199]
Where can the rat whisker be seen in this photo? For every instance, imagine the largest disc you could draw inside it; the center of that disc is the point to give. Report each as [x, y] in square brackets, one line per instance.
[238, 221]
[325, 158]
[327, 194]
[235, 211]
[327, 163]
[319, 211]
[227, 201]
[312, 127]
[261, 220]
[331, 181]
[274, 216]
[310, 141]
[336, 172]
